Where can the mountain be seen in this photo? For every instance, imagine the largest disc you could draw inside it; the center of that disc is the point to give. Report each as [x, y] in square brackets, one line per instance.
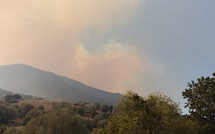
[24, 79]
[3, 93]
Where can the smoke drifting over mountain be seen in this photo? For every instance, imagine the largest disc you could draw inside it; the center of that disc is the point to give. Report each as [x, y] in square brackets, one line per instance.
[46, 34]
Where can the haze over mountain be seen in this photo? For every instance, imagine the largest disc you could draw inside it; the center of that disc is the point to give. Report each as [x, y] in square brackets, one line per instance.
[24, 79]
[3, 93]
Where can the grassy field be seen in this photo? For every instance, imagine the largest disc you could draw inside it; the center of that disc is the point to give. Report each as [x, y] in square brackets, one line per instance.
[48, 105]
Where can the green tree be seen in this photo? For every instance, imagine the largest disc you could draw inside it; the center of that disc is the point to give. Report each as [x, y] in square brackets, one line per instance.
[97, 118]
[104, 108]
[157, 114]
[80, 110]
[34, 113]
[16, 96]
[8, 97]
[92, 112]
[97, 106]
[24, 109]
[7, 113]
[89, 124]
[110, 108]
[200, 97]
[57, 121]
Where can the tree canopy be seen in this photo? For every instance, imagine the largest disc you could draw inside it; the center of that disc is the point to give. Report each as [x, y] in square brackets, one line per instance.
[200, 97]
[12, 97]
[134, 114]
[157, 114]
[57, 121]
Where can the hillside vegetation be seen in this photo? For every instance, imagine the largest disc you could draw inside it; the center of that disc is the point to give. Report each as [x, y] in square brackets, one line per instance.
[44, 117]
[4, 93]
[133, 114]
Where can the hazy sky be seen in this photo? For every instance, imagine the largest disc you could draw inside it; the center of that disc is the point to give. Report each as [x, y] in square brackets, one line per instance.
[114, 45]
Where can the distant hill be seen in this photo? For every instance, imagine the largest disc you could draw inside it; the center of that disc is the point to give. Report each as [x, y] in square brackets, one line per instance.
[24, 79]
[3, 93]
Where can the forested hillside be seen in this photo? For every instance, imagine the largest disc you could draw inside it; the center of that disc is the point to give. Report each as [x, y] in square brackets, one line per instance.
[134, 114]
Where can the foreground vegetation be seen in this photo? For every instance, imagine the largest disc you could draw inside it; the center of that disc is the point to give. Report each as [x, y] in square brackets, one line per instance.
[134, 114]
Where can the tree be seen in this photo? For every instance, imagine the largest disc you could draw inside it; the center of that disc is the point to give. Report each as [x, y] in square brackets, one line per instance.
[157, 114]
[97, 106]
[7, 113]
[34, 113]
[92, 112]
[12, 98]
[200, 97]
[89, 124]
[8, 97]
[104, 108]
[97, 118]
[80, 110]
[16, 96]
[24, 109]
[60, 120]
[41, 107]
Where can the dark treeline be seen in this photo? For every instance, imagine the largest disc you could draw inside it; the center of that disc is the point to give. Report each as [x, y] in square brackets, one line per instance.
[10, 96]
[134, 114]
[63, 118]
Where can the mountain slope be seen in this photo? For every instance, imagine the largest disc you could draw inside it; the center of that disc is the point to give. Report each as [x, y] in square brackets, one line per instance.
[3, 93]
[24, 79]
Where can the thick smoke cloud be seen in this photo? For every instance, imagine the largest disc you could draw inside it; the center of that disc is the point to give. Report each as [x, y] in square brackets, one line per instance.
[47, 34]
[113, 67]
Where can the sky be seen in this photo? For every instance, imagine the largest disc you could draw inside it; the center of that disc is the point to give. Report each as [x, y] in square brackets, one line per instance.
[114, 45]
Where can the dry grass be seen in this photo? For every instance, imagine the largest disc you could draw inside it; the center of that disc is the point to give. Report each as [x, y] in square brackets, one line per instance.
[48, 105]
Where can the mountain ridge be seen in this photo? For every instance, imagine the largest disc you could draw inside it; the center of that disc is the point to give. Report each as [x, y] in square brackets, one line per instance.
[21, 78]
